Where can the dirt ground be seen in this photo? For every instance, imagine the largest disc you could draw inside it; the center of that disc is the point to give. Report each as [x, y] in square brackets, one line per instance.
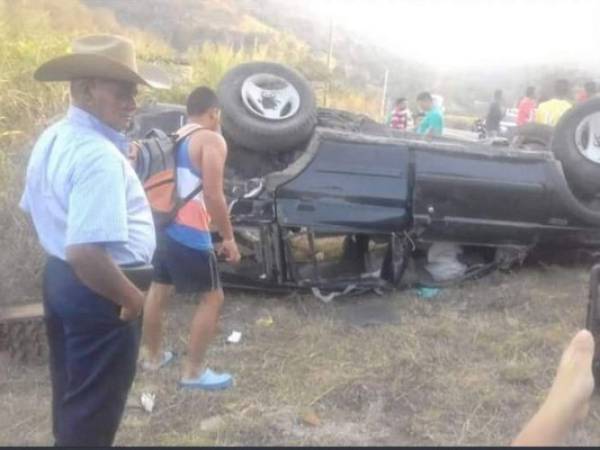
[466, 367]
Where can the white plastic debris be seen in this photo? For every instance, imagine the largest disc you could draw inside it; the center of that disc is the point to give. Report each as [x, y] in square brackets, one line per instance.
[326, 298]
[234, 337]
[443, 263]
[148, 401]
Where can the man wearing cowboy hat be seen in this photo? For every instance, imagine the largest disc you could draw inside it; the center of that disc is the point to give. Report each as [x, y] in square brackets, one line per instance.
[92, 218]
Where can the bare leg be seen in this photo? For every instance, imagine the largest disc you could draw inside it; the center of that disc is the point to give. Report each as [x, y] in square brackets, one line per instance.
[152, 330]
[568, 400]
[203, 329]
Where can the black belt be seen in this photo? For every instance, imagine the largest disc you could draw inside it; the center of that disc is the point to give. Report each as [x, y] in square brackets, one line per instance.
[139, 274]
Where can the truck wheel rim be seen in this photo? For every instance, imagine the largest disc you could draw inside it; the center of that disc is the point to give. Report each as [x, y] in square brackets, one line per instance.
[587, 137]
[270, 97]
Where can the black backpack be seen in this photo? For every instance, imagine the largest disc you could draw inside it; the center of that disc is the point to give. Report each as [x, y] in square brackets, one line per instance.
[156, 166]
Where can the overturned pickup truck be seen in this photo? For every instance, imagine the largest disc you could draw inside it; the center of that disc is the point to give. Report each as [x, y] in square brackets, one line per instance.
[333, 201]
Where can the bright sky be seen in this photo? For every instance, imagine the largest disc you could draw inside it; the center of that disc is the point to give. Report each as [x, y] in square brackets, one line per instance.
[475, 33]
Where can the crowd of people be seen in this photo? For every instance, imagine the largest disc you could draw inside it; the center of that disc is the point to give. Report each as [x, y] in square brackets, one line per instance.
[546, 110]
[93, 219]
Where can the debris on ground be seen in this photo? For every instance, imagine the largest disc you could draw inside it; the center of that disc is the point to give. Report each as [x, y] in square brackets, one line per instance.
[443, 263]
[148, 400]
[235, 337]
[428, 293]
[326, 298]
[309, 417]
[265, 321]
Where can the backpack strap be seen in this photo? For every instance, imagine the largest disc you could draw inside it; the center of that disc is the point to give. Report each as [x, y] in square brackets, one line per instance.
[187, 198]
[155, 133]
[185, 132]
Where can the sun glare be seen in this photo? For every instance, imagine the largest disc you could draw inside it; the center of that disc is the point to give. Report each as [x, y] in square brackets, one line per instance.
[474, 33]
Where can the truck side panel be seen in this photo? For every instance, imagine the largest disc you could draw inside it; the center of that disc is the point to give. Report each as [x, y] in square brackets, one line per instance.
[350, 187]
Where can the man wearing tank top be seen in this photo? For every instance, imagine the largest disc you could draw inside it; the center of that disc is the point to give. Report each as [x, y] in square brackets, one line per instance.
[185, 256]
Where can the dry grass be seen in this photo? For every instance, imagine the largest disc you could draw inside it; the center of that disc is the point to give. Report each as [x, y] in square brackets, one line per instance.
[467, 367]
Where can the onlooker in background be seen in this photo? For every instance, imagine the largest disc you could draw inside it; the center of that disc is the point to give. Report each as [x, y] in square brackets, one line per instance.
[526, 108]
[495, 114]
[549, 112]
[438, 102]
[433, 121]
[418, 118]
[589, 90]
[400, 118]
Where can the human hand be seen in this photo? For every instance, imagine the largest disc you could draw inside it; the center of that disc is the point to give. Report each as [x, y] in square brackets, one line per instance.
[132, 152]
[133, 308]
[229, 249]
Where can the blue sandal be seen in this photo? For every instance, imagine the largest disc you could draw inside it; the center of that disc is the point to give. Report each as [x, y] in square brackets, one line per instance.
[209, 381]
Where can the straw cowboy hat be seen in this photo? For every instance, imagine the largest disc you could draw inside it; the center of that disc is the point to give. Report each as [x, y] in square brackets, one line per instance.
[102, 56]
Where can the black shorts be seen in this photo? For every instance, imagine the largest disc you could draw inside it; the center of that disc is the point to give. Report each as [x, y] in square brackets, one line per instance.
[189, 269]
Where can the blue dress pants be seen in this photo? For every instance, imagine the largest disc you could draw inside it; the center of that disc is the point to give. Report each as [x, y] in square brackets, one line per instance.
[93, 356]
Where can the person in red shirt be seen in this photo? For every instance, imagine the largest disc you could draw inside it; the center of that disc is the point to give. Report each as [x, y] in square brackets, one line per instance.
[400, 117]
[526, 107]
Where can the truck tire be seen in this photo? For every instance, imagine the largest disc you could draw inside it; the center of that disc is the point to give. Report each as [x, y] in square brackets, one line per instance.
[576, 144]
[533, 136]
[266, 107]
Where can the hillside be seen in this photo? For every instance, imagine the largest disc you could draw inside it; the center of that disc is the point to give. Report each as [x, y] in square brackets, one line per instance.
[246, 23]
[184, 23]
[358, 64]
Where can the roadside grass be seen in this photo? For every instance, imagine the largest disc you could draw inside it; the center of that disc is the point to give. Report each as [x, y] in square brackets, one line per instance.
[467, 367]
